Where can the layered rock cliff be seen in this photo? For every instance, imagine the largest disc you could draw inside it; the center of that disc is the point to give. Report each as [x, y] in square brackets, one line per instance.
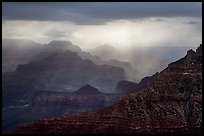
[48, 104]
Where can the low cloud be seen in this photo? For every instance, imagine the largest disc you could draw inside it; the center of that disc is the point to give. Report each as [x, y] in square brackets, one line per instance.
[120, 34]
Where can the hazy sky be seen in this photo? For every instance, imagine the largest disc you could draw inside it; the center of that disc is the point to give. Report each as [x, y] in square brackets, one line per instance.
[118, 24]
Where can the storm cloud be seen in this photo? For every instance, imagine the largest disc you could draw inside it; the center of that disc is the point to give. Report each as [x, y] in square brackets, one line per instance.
[150, 34]
[98, 12]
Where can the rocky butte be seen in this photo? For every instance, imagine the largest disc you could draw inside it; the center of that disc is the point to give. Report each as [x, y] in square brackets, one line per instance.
[171, 103]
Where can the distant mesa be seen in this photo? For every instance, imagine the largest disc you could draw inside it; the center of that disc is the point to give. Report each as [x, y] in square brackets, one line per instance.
[87, 90]
[63, 45]
[106, 52]
[58, 42]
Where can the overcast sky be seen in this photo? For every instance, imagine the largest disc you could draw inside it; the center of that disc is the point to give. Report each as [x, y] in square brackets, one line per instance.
[95, 23]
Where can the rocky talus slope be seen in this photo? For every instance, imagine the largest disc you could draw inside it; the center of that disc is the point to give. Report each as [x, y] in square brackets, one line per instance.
[172, 103]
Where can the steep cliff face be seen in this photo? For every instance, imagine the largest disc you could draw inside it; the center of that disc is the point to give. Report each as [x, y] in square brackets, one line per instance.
[173, 100]
[172, 103]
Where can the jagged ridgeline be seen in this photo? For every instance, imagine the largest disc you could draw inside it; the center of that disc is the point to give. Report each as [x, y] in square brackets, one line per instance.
[58, 67]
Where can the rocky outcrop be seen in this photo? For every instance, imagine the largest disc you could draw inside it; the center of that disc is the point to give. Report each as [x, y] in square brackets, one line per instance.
[87, 90]
[199, 50]
[192, 60]
[171, 103]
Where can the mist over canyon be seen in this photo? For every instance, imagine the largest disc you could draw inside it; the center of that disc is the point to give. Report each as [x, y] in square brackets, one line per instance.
[98, 67]
[137, 62]
[59, 67]
[41, 80]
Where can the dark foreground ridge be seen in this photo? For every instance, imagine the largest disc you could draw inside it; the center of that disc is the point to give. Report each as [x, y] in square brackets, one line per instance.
[172, 103]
